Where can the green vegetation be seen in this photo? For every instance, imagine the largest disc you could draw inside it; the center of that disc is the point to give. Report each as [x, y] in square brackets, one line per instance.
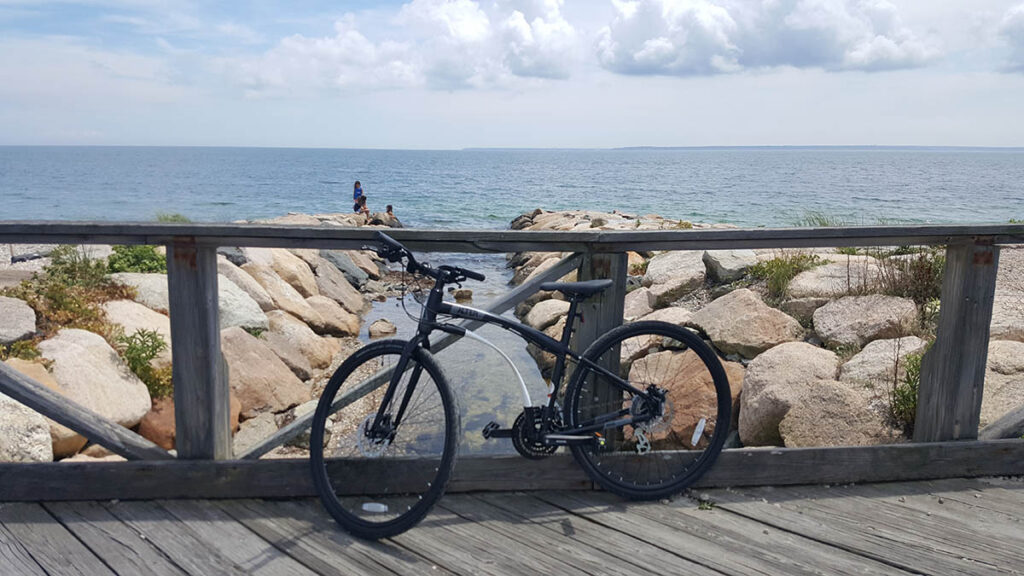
[23, 349]
[778, 271]
[684, 225]
[138, 350]
[1016, 220]
[70, 292]
[639, 268]
[136, 259]
[172, 217]
[915, 275]
[814, 219]
[254, 332]
[903, 394]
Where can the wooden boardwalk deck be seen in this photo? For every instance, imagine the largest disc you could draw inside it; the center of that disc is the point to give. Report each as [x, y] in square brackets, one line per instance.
[969, 527]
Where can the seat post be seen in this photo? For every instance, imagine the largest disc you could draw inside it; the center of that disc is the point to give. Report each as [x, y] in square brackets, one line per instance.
[570, 321]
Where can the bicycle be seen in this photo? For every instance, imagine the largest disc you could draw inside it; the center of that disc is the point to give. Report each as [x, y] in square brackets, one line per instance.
[392, 449]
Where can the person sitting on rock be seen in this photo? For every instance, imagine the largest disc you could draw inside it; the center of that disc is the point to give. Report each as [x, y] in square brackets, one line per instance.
[360, 206]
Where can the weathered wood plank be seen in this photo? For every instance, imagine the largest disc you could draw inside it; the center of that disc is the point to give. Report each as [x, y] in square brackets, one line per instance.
[62, 410]
[232, 539]
[501, 240]
[953, 370]
[1010, 425]
[291, 477]
[14, 559]
[189, 551]
[304, 531]
[55, 549]
[201, 396]
[504, 303]
[118, 545]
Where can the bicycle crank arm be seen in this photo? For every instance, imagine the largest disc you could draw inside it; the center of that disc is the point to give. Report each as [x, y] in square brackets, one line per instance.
[570, 439]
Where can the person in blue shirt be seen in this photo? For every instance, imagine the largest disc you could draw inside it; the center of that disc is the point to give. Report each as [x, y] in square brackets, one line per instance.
[357, 191]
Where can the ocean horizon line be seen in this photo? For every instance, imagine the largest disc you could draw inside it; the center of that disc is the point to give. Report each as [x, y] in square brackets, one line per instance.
[753, 147]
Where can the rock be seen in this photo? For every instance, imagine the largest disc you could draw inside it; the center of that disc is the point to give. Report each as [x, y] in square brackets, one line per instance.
[546, 360]
[150, 289]
[684, 268]
[295, 272]
[247, 283]
[232, 254]
[17, 320]
[254, 431]
[24, 433]
[289, 353]
[365, 263]
[354, 274]
[284, 296]
[11, 278]
[259, 256]
[776, 381]
[664, 294]
[673, 315]
[740, 323]
[546, 313]
[132, 316]
[381, 328]
[637, 304]
[463, 295]
[831, 414]
[692, 381]
[857, 320]
[237, 308]
[634, 262]
[332, 283]
[64, 440]
[313, 347]
[157, 425]
[26, 252]
[541, 268]
[302, 440]
[1006, 357]
[337, 320]
[881, 363]
[260, 381]
[729, 265]
[293, 219]
[1008, 315]
[90, 373]
[803, 308]
[854, 274]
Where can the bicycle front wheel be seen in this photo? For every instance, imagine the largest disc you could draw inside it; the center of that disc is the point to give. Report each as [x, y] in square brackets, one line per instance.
[686, 424]
[380, 481]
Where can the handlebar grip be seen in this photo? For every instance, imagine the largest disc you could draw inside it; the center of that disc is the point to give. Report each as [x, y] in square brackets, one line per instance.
[472, 275]
[389, 241]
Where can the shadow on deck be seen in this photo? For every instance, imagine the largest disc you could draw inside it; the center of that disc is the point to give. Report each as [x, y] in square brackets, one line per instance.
[956, 526]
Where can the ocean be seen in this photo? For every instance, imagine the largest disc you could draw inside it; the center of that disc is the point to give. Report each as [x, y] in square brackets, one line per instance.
[488, 188]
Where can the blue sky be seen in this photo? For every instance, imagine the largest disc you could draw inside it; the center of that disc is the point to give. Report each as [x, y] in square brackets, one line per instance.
[532, 73]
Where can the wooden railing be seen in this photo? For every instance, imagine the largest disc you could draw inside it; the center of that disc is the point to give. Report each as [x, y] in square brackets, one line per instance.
[949, 397]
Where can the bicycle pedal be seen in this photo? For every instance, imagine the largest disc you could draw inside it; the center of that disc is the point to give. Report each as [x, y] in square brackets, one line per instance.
[493, 430]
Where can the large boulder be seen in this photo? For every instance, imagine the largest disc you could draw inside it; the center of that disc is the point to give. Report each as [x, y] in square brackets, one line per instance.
[285, 297]
[686, 376]
[637, 304]
[150, 289]
[851, 274]
[132, 317]
[775, 382]
[24, 433]
[340, 259]
[671, 275]
[237, 308]
[295, 272]
[333, 284]
[246, 282]
[546, 313]
[337, 320]
[856, 320]
[17, 320]
[832, 414]
[91, 373]
[1008, 314]
[882, 362]
[365, 263]
[672, 315]
[289, 353]
[803, 308]
[318, 351]
[1004, 380]
[729, 265]
[64, 440]
[260, 381]
[254, 431]
[740, 323]
[158, 425]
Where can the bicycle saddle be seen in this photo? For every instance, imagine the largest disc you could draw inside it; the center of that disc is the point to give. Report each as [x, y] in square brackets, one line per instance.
[584, 289]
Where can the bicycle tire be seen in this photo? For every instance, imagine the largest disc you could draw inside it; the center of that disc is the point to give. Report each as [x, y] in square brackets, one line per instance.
[384, 488]
[698, 393]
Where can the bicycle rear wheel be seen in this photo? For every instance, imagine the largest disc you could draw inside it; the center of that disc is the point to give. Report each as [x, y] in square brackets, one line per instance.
[379, 483]
[687, 430]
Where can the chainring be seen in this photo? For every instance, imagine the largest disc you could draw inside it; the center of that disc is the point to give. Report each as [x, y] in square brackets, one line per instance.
[526, 443]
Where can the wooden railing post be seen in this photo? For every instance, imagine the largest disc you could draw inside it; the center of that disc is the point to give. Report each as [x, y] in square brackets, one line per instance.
[953, 371]
[201, 397]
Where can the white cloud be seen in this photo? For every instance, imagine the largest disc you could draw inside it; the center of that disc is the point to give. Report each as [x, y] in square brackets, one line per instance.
[1011, 30]
[538, 40]
[702, 37]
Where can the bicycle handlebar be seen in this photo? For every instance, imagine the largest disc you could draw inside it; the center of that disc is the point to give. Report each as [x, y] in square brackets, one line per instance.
[393, 251]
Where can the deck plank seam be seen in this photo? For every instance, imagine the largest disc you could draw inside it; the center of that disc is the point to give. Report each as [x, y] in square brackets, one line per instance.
[90, 549]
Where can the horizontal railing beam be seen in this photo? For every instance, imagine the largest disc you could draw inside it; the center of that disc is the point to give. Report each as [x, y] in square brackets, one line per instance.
[279, 236]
